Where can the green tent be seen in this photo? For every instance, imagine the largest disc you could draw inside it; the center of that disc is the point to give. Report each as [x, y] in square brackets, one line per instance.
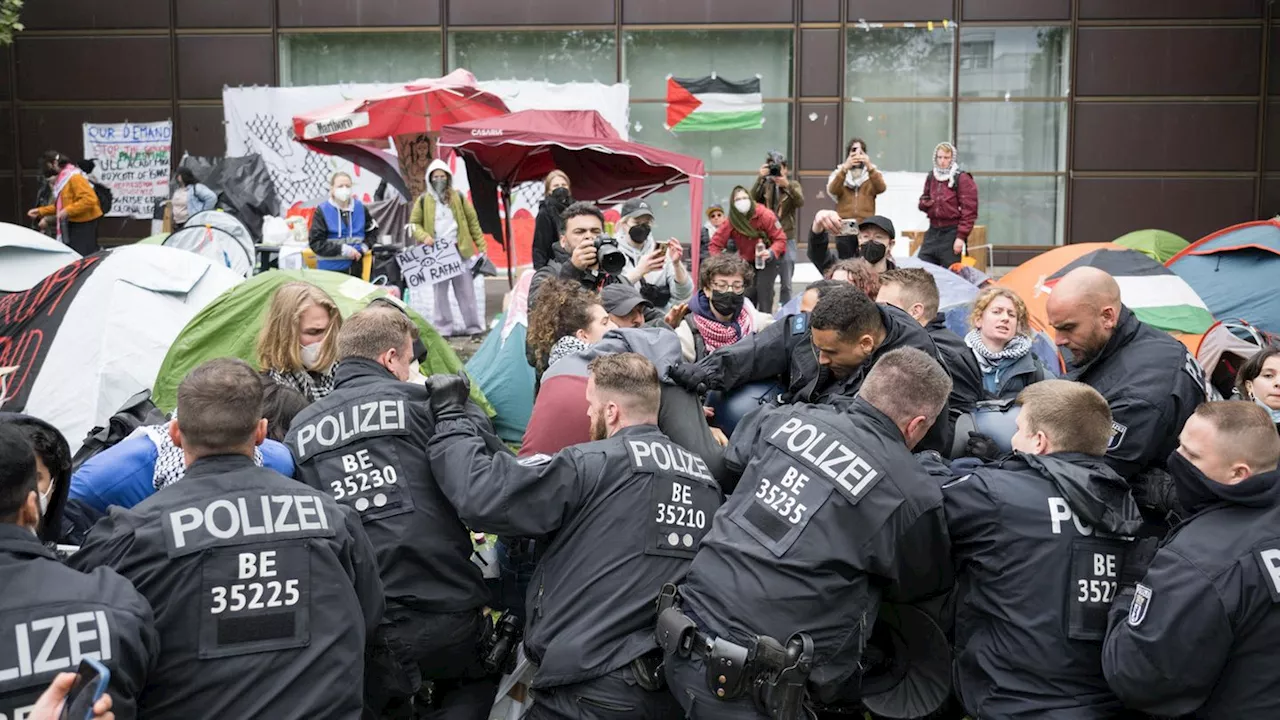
[157, 239]
[1159, 245]
[229, 326]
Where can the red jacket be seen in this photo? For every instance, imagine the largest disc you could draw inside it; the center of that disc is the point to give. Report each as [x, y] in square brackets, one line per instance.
[947, 206]
[763, 219]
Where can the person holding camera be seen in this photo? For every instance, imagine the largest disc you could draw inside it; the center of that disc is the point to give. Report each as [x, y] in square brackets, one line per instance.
[584, 255]
[854, 185]
[775, 189]
[758, 236]
[653, 268]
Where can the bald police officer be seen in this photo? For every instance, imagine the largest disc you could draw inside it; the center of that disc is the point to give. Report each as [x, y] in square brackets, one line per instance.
[1197, 635]
[1039, 540]
[365, 445]
[265, 590]
[626, 512]
[832, 514]
[52, 616]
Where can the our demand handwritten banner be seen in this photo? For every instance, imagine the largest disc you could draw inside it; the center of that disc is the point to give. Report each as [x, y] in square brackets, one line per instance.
[133, 160]
[423, 265]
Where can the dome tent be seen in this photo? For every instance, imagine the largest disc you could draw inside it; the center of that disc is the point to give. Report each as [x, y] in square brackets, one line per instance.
[92, 334]
[1235, 271]
[229, 325]
[1159, 245]
[27, 257]
[218, 236]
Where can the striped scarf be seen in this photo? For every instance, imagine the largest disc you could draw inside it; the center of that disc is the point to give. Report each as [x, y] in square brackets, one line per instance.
[717, 334]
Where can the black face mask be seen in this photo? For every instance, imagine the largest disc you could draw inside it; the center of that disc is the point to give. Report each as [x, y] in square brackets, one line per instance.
[639, 233]
[560, 196]
[873, 252]
[1195, 490]
[728, 304]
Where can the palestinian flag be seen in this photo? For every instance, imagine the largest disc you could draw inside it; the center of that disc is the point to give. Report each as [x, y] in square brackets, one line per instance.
[1157, 296]
[713, 103]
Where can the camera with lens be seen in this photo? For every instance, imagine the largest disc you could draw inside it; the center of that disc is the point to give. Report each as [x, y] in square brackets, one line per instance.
[775, 160]
[609, 257]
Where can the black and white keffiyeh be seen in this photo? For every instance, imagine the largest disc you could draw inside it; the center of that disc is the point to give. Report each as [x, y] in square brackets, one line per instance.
[170, 464]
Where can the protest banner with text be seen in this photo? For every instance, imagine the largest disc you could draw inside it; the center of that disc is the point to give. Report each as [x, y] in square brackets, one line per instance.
[133, 160]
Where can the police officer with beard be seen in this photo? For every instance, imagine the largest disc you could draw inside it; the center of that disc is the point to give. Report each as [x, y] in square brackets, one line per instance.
[264, 589]
[364, 444]
[1039, 540]
[51, 615]
[823, 356]
[1149, 379]
[1197, 634]
[832, 514]
[626, 513]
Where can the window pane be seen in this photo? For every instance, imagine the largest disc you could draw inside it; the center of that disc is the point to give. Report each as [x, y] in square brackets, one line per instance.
[1013, 62]
[1022, 210]
[722, 150]
[650, 55]
[671, 208]
[1013, 137]
[556, 56]
[899, 136]
[330, 58]
[899, 63]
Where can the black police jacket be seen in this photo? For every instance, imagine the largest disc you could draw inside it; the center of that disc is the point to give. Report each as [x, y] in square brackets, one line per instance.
[365, 444]
[627, 515]
[832, 514]
[1038, 542]
[954, 355]
[1198, 635]
[264, 592]
[1152, 384]
[51, 616]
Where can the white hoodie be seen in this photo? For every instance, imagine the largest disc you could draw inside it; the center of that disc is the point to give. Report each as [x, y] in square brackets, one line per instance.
[446, 224]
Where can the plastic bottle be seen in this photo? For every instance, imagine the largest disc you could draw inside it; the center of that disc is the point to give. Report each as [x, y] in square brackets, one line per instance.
[760, 260]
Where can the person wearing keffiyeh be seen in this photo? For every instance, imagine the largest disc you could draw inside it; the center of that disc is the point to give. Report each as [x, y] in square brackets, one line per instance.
[719, 314]
[297, 346]
[1000, 363]
[950, 199]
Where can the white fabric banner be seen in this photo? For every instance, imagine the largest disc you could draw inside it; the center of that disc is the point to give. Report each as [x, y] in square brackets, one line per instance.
[133, 160]
[260, 120]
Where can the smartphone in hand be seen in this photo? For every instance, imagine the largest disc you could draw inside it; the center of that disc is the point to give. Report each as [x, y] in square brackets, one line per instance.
[91, 683]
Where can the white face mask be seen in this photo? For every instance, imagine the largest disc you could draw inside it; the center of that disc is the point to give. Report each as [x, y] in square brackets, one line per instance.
[311, 355]
[743, 205]
[43, 498]
[342, 194]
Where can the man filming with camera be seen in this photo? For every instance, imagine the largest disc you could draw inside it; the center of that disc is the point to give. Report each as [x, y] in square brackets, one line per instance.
[775, 189]
[584, 255]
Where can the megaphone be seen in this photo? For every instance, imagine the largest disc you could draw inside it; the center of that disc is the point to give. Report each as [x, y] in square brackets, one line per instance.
[997, 419]
[908, 664]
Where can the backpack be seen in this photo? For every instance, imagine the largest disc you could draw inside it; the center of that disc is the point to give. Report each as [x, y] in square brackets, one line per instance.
[105, 196]
[136, 412]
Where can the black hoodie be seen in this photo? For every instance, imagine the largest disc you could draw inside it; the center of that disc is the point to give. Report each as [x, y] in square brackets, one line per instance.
[1032, 535]
[51, 530]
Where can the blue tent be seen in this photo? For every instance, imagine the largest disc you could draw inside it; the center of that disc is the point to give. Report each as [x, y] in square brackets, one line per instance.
[1235, 271]
[500, 369]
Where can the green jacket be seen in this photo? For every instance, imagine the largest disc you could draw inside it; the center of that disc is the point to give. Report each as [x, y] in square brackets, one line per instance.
[423, 220]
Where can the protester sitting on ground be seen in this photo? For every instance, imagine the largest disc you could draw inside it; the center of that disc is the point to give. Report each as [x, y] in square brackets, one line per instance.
[720, 314]
[132, 470]
[53, 470]
[1259, 381]
[297, 346]
[548, 226]
[656, 269]
[567, 319]
[341, 228]
[75, 209]
[758, 236]
[190, 198]
[445, 215]
[627, 308]
[1000, 341]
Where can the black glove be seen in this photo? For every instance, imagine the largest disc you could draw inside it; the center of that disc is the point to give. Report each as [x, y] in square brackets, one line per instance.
[982, 447]
[693, 377]
[449, 395]
[1137, 558]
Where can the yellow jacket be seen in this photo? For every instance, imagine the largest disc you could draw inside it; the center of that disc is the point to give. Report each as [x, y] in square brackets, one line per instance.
[78, 199]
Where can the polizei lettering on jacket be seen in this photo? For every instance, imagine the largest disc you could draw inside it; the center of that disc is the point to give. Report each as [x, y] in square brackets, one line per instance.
[649, 455]
[821, 448]
[327, 432]
[240, 520]
[56, 642]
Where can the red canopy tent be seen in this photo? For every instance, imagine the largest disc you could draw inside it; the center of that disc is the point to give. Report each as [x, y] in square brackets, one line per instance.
[357, 129]
[524, 146]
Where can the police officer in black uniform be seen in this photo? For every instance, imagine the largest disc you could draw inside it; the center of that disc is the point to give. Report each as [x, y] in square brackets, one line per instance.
[50, 615]
[832, 514]
[364, 444]
[823, 356]
[1197, 635]
[265, 590]
[1039, 540]
[627, 513]
[1149, 379]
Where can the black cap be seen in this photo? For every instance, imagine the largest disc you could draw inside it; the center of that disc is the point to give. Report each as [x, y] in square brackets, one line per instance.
[881, 222]
[635, 208]
[620, 299]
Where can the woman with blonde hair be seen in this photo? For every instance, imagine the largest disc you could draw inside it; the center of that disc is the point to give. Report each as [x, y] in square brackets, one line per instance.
[1000, 363]
[548, 226]
[298, 344]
